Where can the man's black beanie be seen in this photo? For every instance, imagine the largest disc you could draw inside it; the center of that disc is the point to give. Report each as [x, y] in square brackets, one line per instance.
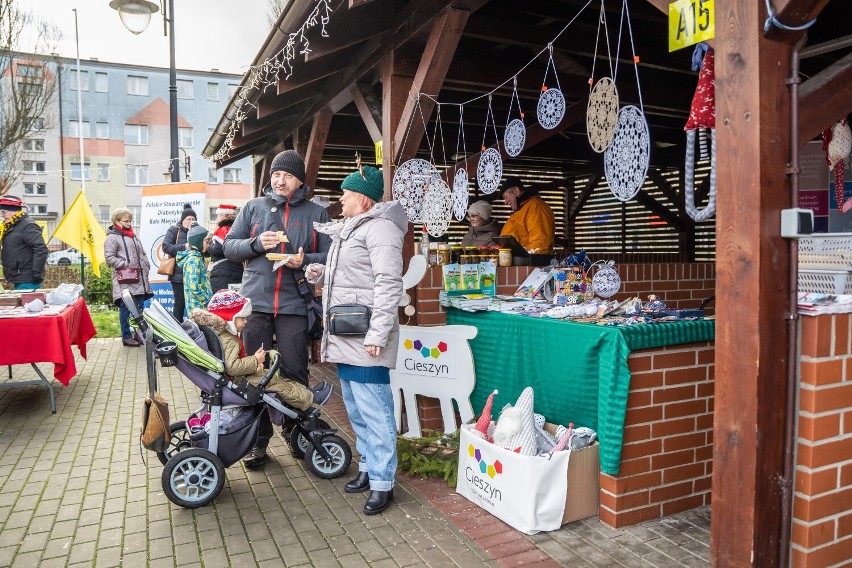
[291, 162]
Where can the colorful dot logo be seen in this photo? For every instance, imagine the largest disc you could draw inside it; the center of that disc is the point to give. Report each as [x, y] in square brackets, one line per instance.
[489, 470]
[427, 352]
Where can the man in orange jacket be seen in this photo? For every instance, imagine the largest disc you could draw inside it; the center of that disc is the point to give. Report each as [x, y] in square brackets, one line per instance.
[532, 222]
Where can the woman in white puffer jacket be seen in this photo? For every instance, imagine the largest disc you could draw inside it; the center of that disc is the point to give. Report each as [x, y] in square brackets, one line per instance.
[364, 266]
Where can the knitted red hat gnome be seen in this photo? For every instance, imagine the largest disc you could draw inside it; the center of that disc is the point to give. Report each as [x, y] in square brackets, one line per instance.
[484, 421]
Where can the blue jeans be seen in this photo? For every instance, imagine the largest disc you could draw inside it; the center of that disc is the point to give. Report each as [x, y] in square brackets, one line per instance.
[27, 286]
[370, 408]
[124, 317]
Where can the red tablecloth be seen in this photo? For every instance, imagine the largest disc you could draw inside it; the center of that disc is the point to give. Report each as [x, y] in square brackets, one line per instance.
[47, 339]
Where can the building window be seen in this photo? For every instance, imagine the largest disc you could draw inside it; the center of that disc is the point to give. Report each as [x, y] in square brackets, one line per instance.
[36, 123]
[137, 85]
[101, 82]
[102, 130]
[136, 134]
[34, 167]
[73, 129]
[81, 82]
[136, 211]
[137, 174]
[231, 175]
[212, 91]
[232, 88]
[185, 137]
[184, 89]
[103, 172]
[31, 188]
[34, 145]
[25, 70]
[39, 209]
[212, 175]
[75, 171]
[212, 213]
[103, 213]
[30, 88]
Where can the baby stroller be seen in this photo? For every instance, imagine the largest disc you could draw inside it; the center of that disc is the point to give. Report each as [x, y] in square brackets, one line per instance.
[196, 458]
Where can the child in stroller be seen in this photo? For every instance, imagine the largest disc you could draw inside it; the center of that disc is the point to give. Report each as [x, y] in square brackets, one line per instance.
[195, 463]
[226, 315]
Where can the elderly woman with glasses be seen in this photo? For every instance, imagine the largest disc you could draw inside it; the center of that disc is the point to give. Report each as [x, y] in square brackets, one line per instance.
[482, 226]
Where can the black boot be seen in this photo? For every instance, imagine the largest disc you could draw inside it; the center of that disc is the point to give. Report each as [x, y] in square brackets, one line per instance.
[359, 484]
[378, 502]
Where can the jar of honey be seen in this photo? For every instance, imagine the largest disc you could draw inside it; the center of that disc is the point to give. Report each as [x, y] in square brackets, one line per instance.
[505, 257]
[443, 254]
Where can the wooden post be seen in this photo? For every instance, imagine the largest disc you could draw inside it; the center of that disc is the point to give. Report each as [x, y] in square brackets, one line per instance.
[752, 264]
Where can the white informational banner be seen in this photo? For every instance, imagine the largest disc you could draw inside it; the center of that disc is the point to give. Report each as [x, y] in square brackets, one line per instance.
[162, 205]
[434, 362]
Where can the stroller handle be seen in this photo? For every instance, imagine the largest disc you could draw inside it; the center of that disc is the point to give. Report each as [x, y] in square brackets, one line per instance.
[273, 368]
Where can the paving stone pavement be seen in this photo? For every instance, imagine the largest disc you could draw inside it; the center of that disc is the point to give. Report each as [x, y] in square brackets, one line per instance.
[76, 489]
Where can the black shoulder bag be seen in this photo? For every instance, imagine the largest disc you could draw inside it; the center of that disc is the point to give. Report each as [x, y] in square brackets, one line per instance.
[347, 319]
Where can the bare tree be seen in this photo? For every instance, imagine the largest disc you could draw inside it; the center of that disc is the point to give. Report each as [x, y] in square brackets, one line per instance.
[275, 7]
[27, 84]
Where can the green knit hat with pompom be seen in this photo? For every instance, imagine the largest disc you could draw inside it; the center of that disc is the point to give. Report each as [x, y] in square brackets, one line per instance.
[369, 181]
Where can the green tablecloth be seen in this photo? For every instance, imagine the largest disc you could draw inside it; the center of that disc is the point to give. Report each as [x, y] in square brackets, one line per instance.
[579, 371]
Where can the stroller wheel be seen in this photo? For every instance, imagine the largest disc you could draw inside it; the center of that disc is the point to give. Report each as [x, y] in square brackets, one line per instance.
[339, 458]
[193, 478]
[178, 442]
[299, 443]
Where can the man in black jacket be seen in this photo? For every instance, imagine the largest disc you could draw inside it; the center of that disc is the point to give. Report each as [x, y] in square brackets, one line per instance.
[278, 308]
[223, 271]
[24, 250]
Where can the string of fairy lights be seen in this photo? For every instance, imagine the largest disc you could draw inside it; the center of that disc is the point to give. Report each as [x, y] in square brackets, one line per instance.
[272, 70]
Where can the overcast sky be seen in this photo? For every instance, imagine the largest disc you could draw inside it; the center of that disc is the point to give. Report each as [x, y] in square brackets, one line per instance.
[222, 34]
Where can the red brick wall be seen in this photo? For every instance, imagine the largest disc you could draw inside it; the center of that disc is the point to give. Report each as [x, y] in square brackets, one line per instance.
[679, 285]
[666, 461]
[822, 505]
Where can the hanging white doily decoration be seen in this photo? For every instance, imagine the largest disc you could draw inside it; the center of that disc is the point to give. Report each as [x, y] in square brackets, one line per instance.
[626, 160]
[409, 185]
[602, 114]
[606, 281]
[551, 108]
[489, 170]
[460, 194]
[437, 207]
[514, 137]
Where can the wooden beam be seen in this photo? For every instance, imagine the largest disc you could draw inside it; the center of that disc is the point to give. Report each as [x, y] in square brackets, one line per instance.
[752, 288]
[434, 63]
[824, 99]
[360, 26]
[793, 13]
[316, 146]
[577, 204]
[396, 83]
[368, 110]
[659, 209]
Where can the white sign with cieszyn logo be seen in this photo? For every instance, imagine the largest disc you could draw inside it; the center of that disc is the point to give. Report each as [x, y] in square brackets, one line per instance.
[434, 362]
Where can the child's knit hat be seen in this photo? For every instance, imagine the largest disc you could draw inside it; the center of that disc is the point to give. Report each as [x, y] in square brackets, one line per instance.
[196, 235]
[228, 305]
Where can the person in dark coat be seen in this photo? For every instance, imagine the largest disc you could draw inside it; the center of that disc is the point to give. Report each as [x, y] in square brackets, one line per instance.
[173, 243]
[123, 249]
[24, 251]
[223, 271]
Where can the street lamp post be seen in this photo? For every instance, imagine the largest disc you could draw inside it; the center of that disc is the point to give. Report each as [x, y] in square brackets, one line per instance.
[135, 15]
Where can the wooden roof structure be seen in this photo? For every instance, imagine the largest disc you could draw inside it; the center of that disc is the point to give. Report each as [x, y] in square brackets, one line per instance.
[355, 89]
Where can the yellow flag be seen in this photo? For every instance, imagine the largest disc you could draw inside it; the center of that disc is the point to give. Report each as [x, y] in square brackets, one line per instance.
[80, 229]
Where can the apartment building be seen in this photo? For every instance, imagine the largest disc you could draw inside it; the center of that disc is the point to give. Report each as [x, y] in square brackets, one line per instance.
[125, 128]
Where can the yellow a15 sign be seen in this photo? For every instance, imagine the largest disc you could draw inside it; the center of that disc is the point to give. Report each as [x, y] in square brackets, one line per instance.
[690, 22]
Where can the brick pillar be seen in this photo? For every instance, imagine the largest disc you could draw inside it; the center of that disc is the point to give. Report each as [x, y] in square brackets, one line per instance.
[822, 505]
[666, 459]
